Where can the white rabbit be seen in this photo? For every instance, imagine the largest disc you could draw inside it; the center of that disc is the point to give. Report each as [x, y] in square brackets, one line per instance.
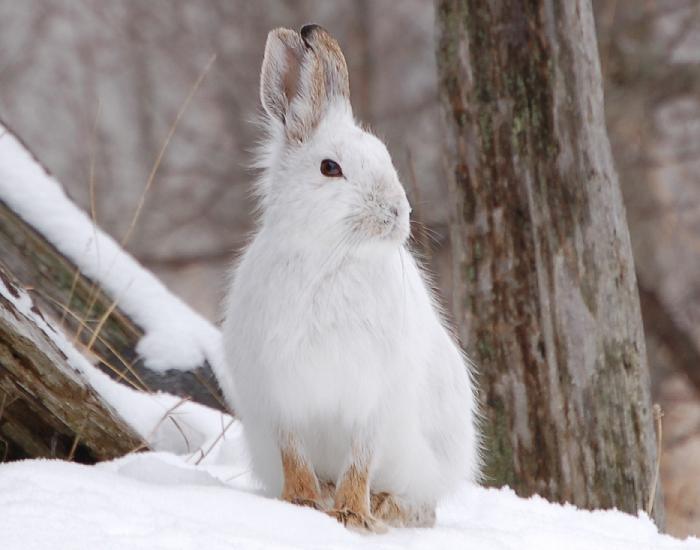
[340, 366]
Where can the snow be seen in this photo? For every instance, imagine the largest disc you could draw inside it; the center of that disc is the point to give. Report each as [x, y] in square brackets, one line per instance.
[175, 336]
[158, 500]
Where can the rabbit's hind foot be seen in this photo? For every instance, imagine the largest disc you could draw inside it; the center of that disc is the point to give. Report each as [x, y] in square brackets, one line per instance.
[392, 511]
[363, 523]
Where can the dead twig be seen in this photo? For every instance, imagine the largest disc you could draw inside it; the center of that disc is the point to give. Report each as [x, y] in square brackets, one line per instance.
[215, 442]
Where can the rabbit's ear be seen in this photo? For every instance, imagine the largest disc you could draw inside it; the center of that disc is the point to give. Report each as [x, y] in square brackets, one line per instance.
[333, 66]
[281, 70]
[301, 75]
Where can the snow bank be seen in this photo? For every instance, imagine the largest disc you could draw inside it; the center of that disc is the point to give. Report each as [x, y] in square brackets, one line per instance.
[175, 336]
[159, 501]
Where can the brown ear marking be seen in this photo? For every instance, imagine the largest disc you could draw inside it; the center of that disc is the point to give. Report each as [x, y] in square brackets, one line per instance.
[307, 30]
[331, 57]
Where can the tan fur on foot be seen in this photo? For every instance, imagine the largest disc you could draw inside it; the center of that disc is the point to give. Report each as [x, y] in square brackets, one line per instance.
[351, 505]
[300, 483]
[384, 507]
[327, 494]
[356, 522]
[388, 509]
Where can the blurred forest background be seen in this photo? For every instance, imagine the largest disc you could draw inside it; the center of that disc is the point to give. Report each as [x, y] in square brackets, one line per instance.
[94, 87]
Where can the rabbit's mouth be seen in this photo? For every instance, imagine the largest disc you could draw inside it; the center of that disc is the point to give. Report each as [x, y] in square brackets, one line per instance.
[384, 219]
[399, 230]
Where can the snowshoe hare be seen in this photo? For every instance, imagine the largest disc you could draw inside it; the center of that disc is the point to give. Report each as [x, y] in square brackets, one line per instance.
[354, 397]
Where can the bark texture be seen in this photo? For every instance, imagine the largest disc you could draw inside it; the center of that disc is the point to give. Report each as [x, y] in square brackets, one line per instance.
[47, 409]
[545, 293]
[79, 304]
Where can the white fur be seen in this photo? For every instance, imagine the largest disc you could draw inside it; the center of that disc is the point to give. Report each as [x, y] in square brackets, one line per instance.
[332, 334]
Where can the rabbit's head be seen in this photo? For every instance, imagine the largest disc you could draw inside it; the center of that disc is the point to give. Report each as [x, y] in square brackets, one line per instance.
[325, 179]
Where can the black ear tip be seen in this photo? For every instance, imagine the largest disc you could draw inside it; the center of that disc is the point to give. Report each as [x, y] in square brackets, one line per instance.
[307, 30]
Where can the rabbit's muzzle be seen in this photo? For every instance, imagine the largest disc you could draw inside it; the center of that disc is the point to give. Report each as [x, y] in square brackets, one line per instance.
[386, 217]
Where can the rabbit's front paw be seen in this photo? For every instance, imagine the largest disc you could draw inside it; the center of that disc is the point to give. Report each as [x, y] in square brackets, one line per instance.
[300, 484]
[355, 521]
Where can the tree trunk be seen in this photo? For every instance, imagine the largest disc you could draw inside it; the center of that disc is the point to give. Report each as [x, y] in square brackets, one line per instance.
[545, 297]
[47, 409]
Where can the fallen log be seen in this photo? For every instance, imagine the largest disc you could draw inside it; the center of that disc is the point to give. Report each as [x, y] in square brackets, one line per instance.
[82, 304]
[47, 407]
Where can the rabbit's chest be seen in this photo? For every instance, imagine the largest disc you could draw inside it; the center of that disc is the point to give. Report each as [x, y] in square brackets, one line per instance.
[346, 348]
[356, 312]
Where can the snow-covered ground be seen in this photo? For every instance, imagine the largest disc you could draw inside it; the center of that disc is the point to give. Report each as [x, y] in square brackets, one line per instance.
[159, 500]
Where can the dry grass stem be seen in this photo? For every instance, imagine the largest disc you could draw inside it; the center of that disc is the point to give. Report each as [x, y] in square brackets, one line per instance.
[93, 210]
[168, 415]
[215, 442]
[164, 146]
[142, 386]
[74, 446]
[94, 290]
[658, 415]
[100, 324]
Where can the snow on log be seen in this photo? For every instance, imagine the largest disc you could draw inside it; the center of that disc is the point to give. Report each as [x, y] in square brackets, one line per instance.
[47, 407]
[141, 333]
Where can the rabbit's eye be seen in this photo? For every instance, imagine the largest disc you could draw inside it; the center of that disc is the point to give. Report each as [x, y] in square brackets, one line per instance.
[331, 168]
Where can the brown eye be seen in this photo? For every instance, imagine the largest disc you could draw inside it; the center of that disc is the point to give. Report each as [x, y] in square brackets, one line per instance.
[330, 168]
